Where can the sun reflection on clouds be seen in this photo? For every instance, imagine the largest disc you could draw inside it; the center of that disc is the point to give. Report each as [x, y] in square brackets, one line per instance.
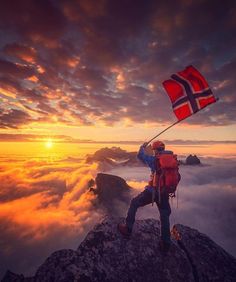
[36, 195]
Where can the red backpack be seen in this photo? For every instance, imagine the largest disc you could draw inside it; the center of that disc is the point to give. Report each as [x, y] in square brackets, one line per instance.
[167, 174]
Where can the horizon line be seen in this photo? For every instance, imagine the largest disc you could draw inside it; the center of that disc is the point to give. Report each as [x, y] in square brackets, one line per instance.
[67, 139]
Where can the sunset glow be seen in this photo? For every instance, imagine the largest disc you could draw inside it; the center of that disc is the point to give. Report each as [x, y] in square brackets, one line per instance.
[49, 144]
[80, 76]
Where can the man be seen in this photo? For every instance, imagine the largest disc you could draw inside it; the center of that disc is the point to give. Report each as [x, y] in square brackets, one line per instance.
[148, 195]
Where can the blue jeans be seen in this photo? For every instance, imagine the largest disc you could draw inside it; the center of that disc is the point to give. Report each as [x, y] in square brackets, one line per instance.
[144, 199]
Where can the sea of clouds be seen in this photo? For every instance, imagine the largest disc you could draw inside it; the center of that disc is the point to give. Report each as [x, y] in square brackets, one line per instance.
[46, 206]
[205, 199]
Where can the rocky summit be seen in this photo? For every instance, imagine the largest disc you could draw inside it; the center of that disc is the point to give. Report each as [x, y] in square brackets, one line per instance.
[192, 160]
[113, 193]
[105, 255]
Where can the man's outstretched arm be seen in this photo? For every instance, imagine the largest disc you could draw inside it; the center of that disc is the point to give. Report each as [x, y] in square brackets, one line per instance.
[145, 158]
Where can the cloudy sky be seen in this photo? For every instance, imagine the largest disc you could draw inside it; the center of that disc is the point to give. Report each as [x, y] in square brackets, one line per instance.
[83, 70]
[93, 69]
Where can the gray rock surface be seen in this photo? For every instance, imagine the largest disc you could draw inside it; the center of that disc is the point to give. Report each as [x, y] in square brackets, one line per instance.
[105, 255]
[210, 262]
[113, 193]
[111, 187]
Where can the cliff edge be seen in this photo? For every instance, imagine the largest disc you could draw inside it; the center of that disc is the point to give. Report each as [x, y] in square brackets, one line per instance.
[105, 255]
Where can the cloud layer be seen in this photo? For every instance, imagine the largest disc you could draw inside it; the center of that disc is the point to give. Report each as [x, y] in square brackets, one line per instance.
[206, 198]
[42, 200]
[77, 62]
[44, 206]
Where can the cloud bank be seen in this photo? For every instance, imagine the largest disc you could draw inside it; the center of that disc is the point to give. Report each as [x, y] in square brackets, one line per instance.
[206, 198]
[44, 206]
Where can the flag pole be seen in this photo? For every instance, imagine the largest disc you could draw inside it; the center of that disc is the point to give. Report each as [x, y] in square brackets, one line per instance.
[164, 130]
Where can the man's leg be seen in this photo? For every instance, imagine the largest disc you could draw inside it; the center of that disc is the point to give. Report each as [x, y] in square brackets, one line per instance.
[141, 200]
[165, 211]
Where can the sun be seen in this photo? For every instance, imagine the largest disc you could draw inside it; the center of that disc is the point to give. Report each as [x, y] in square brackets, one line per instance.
[49, 144]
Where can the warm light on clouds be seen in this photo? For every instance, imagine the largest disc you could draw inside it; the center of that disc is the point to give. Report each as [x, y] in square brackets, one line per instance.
[33, 78]
[44, 194]
[74, 74]
[40, 69]
[73, 62]
[23, 52]
[8, 92]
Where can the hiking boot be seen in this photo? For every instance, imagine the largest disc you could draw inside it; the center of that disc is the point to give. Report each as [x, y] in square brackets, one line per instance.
[164, 246]
[123, 229]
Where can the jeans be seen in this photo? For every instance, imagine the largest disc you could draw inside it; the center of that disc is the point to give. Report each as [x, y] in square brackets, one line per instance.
[144, 199]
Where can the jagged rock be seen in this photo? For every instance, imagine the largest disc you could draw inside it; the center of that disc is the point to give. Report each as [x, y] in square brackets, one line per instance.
[209, 261]
[63, 265]
[113, 157]
[105, 255]
[192, 160]
[112, 192]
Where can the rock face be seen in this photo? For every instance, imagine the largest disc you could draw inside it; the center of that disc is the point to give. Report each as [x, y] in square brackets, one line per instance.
[111, 187]
[113, 193]
[105, 255]
[210, 262]
[192, 160]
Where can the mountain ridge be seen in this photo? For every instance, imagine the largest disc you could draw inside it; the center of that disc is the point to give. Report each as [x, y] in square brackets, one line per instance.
[104, 255]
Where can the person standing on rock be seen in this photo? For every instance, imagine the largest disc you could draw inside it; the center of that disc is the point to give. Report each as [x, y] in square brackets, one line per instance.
[151, 194]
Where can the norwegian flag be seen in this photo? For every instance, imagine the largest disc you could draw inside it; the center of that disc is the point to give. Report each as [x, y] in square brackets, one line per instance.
[189, 92]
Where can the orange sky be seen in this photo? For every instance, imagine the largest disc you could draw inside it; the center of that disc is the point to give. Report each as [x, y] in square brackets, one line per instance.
[77, 76]
[96, 71]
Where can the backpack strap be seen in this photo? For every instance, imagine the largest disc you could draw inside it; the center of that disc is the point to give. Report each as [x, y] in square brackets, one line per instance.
[157, 180]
